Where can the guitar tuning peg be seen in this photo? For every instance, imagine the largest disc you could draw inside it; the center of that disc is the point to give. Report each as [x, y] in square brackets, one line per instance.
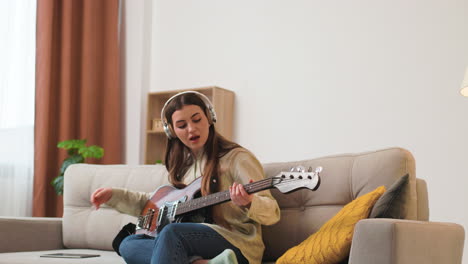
[300, 169]
[318, 169]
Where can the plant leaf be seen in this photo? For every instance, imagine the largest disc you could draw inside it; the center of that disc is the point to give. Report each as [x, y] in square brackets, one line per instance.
[57, 183]
[72, 151]
[77, 152]
[92, 152]
[77, 158]
[72, 143]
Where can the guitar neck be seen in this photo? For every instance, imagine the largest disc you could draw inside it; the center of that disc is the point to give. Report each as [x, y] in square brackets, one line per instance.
[221, 197]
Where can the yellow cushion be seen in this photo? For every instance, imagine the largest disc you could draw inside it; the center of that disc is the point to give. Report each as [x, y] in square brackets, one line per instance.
[332, 242]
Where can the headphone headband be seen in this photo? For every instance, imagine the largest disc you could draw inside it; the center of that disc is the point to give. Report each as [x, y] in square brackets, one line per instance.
[204, 98]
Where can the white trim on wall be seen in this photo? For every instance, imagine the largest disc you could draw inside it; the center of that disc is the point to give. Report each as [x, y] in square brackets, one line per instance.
[136, 39]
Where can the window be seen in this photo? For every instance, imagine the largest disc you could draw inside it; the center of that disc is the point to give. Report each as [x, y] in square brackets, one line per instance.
[17, 81]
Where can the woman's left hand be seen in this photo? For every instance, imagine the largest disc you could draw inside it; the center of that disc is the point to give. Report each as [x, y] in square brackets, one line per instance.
[239, 196]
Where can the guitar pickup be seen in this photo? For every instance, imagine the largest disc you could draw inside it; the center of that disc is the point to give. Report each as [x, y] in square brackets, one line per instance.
[174, 211]
[161, 214]
[139, 222]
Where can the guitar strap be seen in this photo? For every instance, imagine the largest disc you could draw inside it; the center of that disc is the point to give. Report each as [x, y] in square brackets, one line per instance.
[214, 185]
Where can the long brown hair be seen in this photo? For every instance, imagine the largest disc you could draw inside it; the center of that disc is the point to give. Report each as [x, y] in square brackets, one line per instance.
[179, 157]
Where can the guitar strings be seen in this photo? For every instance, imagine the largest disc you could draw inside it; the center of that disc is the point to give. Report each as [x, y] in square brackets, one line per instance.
[202, 200]
[255, 186]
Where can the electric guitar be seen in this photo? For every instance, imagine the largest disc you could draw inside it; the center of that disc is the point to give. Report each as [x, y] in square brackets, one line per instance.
[169, 204]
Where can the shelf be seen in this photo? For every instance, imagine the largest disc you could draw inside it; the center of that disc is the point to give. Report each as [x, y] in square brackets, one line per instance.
[154, 132]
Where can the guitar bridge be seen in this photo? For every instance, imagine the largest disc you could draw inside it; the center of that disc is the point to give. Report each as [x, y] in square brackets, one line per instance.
[144, 221]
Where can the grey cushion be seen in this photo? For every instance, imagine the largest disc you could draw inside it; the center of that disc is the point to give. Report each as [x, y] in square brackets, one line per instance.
[390, 204]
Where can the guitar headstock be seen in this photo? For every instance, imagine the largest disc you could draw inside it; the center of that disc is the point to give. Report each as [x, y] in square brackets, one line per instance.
[298, 178]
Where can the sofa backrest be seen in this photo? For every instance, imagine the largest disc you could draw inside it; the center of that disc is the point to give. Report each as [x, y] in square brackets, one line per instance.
[303, 212]
[344, 178]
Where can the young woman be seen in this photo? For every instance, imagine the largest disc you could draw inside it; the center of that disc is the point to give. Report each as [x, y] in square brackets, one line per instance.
[195, 149]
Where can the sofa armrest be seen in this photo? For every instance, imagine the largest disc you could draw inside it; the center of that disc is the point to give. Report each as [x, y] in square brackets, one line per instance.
[392, 241]
[30, 234]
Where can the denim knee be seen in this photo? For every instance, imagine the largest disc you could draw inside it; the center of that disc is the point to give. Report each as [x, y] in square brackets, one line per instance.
[169, 247]
[125, 247]
[170, 228]
[132, 251]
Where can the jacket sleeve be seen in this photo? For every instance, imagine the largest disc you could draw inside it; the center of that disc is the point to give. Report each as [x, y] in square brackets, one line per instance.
[128, 202]
[264, 209]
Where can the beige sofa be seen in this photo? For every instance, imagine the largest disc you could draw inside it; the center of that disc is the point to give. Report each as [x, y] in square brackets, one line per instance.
[344, 177]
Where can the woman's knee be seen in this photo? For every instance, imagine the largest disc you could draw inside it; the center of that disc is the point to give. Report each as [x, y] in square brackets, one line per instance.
[170, 230]
[131, 248]
[125, 247]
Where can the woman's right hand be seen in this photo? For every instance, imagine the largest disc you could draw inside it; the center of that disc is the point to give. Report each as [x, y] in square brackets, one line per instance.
[100, 196]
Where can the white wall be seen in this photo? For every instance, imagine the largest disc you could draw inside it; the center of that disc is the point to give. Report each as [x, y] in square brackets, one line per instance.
[314, 78]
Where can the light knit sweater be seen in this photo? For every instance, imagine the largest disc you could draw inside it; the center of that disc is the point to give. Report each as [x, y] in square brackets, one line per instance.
[239, 165]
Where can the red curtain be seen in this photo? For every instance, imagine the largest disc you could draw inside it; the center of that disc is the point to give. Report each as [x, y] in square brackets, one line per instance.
[78, 93]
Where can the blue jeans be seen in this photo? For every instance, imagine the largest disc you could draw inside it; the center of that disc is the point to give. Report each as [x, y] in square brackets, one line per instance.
[176, 244]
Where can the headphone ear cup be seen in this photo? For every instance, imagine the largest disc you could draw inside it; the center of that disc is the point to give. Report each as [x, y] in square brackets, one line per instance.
[169, 131]
[173, 134]
[211, 115]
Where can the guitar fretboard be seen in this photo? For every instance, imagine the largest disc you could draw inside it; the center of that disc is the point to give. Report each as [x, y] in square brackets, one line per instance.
[220, 197]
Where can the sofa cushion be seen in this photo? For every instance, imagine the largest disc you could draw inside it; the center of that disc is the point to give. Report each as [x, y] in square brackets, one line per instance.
[85, 227]
[332, 242]
[390, 205]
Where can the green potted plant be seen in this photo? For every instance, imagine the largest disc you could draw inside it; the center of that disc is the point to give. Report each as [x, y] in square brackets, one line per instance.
[77, 153]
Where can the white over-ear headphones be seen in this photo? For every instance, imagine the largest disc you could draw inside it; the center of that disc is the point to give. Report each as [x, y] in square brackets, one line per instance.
[211, 115]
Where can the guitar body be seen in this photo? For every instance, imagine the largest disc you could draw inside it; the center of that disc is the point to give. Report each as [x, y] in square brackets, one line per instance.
[165, 196]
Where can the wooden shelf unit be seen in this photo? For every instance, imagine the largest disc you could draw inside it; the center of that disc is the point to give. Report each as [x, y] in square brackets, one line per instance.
[155, 147]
